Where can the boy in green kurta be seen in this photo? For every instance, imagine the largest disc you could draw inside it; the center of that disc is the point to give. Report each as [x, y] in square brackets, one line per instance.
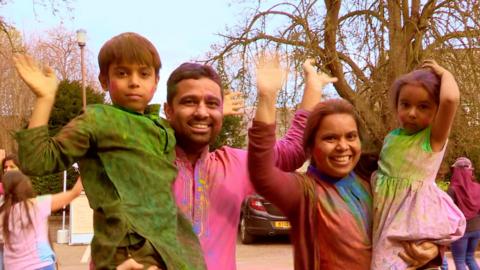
[126, 155]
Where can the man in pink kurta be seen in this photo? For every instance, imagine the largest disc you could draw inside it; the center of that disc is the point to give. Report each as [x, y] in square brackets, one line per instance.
[210, 194]
[210, 186]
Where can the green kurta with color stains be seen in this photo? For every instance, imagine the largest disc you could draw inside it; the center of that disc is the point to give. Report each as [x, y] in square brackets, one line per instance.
[127, 166]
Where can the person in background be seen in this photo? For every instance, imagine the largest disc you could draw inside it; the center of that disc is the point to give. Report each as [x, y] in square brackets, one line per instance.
[25, 222]
[9, 163]
[465, 192]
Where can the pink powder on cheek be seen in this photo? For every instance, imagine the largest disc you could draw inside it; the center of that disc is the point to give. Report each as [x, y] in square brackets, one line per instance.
[113, 86]
[215, 98]
[220, 107]
[317, 153]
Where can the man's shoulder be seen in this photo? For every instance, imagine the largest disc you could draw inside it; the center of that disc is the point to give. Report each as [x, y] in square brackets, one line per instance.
[235, 155]
[164, 122]
[236, 173]
[230, 150]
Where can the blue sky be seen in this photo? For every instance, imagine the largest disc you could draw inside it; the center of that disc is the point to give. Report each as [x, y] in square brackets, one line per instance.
[182, 30]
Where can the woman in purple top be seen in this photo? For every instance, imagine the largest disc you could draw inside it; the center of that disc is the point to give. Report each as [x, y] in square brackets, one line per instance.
[329, 207]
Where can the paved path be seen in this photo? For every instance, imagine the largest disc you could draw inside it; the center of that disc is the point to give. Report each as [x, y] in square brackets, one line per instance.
[271, 254]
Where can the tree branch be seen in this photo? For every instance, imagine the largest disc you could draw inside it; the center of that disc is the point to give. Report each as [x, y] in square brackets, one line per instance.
[453, 35]
[363, 13]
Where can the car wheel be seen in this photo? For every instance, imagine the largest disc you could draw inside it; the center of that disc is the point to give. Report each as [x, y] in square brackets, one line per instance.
[245, 237]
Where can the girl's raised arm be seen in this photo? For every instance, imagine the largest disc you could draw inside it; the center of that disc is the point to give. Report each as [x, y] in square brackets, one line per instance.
[64, 198]
[448, 103]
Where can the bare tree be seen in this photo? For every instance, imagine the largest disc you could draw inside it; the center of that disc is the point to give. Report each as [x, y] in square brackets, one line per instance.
[366, 44]
[15, 99]
[56, 7]
[59, 49]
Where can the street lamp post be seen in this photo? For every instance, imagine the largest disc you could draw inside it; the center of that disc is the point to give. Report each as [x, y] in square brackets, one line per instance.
[82, 41]
[63, 234]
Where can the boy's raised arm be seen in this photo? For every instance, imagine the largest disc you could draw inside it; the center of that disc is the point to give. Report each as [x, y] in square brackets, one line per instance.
[42, 82]
[39, 153]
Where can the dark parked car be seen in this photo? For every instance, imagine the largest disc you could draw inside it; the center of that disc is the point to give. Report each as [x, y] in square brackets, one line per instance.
[259, 217]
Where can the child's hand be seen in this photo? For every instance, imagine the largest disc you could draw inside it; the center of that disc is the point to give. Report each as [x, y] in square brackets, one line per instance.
[434, 66]
[315, 80]
[233, 104]
[314, 83]
[43, 83]
[270, 75]
[78, 187]
[418, 255]
[130, 264]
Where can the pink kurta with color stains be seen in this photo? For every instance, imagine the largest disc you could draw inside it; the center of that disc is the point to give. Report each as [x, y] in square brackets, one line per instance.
[210, 193]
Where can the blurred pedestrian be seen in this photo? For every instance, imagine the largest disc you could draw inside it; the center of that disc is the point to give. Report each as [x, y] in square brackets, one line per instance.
[25, 222]
[465, 192]
[9, 163]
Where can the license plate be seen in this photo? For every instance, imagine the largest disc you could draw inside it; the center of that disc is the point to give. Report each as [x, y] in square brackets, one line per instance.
[281, 224]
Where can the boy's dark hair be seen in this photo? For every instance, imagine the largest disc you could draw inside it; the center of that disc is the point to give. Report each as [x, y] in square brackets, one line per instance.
[128, 48]
[190, 71]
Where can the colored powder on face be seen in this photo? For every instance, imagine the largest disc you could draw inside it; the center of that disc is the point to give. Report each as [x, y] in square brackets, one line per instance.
[318, 154]
[213, 98]
[113, 86]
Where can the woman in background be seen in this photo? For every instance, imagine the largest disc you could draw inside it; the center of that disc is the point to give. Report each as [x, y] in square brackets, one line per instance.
[9, 163]
[466, 194]
[25, 222]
